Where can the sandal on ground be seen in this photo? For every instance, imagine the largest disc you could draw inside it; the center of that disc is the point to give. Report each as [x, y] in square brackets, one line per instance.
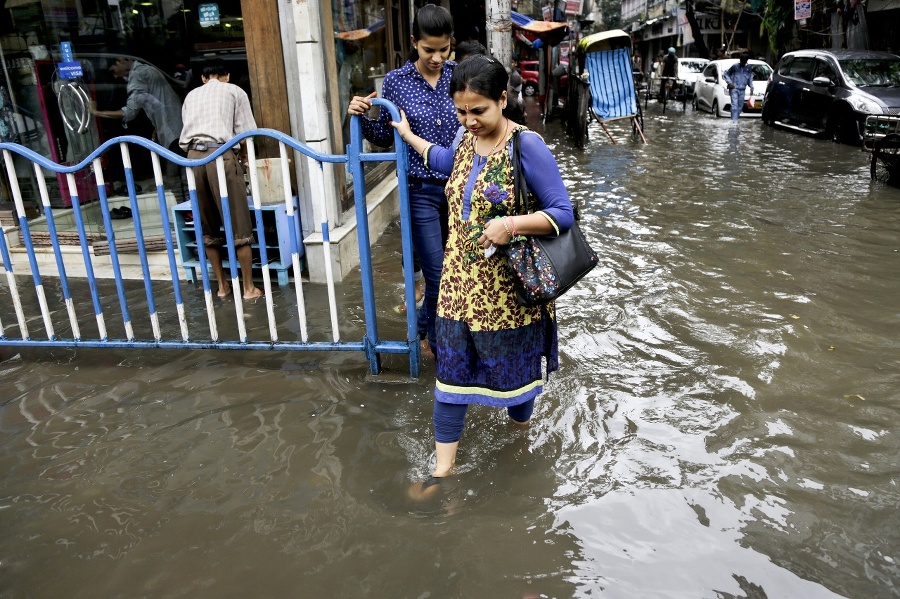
[120, 213]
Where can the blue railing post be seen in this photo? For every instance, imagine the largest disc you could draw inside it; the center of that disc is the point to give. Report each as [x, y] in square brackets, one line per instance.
[401, 157]
[354, 150]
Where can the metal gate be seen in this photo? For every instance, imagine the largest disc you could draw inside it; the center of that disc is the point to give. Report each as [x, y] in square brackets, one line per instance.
[71, 332]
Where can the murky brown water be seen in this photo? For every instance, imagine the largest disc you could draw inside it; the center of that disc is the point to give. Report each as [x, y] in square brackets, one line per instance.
[723, 423]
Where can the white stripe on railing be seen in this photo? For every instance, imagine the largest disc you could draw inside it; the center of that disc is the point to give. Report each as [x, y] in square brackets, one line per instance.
[236, 288]
[257, 206]
[67, 296]
[201, 257]
[13, 288]
[295, 258]
[129, 177]
[73, 193]
[164, 217]
[317, 179]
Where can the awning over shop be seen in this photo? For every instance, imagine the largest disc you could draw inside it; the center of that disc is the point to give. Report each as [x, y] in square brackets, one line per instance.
[549, 32]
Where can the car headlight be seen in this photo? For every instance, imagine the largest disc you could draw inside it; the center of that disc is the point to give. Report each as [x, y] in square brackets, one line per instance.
[864, 105]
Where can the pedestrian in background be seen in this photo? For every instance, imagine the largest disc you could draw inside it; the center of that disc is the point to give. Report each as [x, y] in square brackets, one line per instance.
[656, 69]
[669, 72]
[738, 76]
[421, 89]
[489, 349]
[213, 114]
[148, 91]
[467, 48]
[637, 62]
[515, 83]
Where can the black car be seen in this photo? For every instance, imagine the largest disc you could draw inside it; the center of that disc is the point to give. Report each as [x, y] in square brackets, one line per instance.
[831, 92]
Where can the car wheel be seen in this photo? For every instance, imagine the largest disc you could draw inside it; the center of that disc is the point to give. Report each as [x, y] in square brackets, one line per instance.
[529, 89]
[768, 113]
[842, 127]
[715, 108]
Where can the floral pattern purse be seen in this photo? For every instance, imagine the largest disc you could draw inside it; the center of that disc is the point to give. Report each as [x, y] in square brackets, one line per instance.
[543, 267]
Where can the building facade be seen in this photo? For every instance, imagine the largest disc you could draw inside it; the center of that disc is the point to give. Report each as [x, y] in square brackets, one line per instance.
[300, 62]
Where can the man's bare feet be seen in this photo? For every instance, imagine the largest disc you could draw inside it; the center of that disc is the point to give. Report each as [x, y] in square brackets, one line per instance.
[253, 295]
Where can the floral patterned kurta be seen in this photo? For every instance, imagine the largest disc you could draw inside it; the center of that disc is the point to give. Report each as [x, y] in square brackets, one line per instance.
[489, 349]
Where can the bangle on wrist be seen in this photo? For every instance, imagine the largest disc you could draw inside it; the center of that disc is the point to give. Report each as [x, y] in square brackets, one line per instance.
[512, 225]
[506, 226]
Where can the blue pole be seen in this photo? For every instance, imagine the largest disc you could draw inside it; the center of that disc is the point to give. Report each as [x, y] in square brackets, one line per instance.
[365, 253]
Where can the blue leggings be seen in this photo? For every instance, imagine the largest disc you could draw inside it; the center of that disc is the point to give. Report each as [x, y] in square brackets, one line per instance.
[449, 418]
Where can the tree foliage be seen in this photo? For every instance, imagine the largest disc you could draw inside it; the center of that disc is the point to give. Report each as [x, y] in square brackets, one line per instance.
[773, 21]
[699, 44]
[612, 13]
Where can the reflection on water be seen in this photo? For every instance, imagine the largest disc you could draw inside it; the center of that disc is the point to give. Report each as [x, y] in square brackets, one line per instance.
[722, 424]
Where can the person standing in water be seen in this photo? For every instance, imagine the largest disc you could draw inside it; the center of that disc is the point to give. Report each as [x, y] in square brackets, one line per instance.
[489, 349]
[738, 77]
[421, 89]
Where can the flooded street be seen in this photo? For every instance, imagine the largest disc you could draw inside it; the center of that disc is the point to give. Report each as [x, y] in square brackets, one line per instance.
[723, 423]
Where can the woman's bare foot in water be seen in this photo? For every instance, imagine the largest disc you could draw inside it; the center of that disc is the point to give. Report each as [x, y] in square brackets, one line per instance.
[425, 489]
[445, 460]
[224, 292]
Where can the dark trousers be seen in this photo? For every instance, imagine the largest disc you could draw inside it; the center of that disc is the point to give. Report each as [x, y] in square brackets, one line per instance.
[428, 212]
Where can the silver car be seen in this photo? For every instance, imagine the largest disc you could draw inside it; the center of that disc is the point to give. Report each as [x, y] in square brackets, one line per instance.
[689, 70]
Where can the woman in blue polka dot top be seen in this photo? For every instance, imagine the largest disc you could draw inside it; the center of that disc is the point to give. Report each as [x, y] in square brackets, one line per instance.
[421, 89]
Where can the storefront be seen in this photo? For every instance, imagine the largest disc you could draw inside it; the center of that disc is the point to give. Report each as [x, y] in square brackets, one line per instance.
[57, 55]
[299, 62]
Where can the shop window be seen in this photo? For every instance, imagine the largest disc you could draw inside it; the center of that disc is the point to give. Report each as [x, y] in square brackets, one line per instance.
[363, 59]
[174, 37]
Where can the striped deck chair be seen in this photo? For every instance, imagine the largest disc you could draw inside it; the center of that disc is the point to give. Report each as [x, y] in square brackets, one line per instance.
[612, 88]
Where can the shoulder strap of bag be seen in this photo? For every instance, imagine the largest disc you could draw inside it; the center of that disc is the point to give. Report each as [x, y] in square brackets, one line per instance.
[519, 184]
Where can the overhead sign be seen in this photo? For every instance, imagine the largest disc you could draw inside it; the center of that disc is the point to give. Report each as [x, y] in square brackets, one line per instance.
[209, 14]
[69, 70]
[573, 7]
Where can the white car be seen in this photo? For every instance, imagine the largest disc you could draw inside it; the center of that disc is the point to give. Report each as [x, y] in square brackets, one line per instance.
[711, 91]
[689, 70]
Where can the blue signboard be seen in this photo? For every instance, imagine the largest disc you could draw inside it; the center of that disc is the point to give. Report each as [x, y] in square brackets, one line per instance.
[69, 70]
[65, 50]
[209, 14]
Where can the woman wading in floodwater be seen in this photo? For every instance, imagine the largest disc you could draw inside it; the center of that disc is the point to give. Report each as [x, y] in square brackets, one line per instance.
[488, 349]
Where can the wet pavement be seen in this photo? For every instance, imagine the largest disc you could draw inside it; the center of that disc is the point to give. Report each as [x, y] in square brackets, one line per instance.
[722, 424]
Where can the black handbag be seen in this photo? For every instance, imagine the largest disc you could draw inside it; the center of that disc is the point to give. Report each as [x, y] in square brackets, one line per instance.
[542, 267]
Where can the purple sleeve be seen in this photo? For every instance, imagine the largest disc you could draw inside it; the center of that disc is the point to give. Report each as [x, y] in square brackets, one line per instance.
[440, 159]
[545, 182]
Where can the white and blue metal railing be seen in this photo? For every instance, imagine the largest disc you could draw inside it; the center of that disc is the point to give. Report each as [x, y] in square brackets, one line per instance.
[371, 344]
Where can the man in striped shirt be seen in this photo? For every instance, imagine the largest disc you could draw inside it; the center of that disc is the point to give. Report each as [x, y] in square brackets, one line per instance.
[213, 114]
